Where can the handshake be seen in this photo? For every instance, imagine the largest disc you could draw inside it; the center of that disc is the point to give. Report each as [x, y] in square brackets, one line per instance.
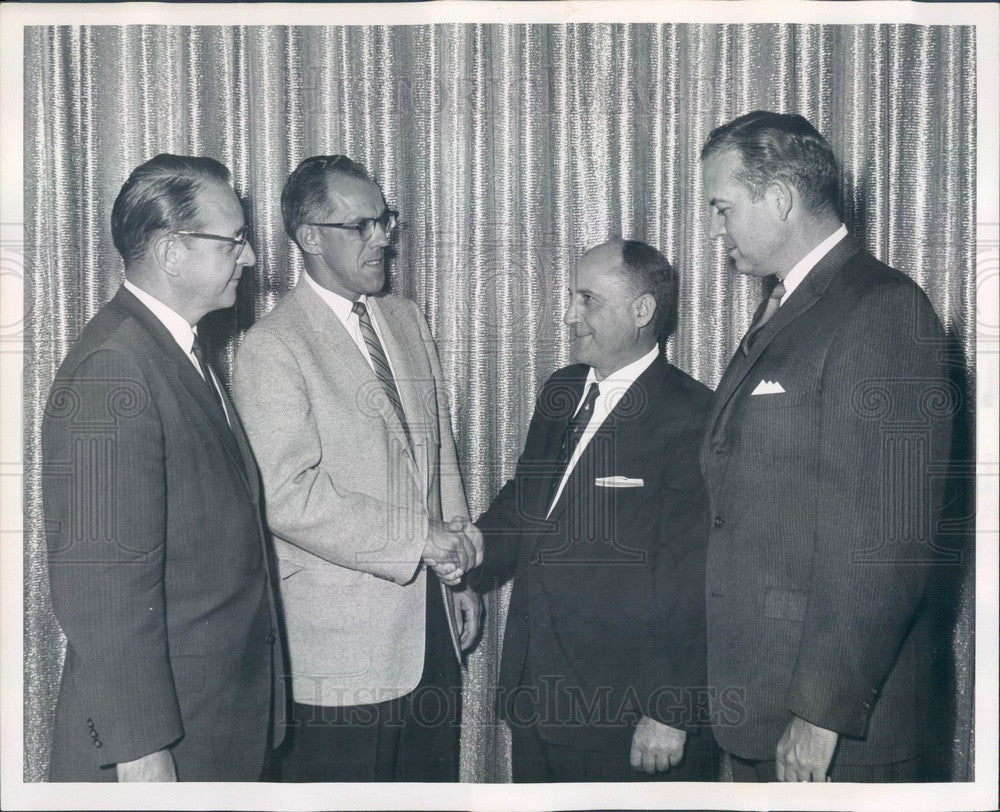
[453, 549]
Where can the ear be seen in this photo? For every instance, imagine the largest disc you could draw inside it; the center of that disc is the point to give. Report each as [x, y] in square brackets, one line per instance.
[166, 251]
[781, 196]
[644, 308]
[307, 238]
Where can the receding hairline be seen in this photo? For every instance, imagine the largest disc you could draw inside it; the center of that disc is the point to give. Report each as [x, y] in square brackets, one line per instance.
[615, 243]
[339, 184]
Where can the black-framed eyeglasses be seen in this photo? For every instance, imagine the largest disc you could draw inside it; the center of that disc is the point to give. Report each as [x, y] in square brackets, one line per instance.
[387, 219]
[235, 243]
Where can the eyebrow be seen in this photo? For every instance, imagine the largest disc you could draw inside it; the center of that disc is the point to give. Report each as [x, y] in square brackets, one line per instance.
[715, 201]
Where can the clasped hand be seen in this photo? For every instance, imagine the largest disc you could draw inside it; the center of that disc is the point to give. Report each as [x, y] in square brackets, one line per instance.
[453, 549]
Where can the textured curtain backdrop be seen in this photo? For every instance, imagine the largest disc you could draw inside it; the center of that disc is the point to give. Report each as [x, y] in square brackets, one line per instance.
[507, 150]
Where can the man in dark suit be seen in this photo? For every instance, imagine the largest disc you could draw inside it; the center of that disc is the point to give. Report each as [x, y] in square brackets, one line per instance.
[157, 553]
[603, 529]
[818, 461]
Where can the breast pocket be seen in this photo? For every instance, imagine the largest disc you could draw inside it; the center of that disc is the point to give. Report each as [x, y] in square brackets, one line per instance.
[776, 401]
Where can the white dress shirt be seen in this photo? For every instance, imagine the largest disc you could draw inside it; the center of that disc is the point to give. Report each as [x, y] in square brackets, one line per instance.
[795, 276]
[610, 391]
[343, 309]
[182, 332]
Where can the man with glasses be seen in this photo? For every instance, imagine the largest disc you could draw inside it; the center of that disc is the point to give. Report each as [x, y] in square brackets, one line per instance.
[156, 544]
[345, 407]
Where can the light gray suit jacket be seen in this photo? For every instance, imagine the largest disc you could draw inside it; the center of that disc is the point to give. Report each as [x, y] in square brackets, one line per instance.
[348, 503]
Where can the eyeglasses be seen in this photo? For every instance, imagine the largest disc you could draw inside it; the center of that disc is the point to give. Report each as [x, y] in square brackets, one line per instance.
[235, 243]
[387, 219]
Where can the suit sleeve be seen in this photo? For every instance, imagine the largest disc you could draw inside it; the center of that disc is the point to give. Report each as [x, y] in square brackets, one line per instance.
[505, 521]
[877, 504]
[311, 502]
[105, 492]
[671, 595]
[501, 541]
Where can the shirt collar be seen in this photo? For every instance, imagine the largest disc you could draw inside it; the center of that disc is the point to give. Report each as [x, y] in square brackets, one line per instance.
[176, 324]
[342, 308]
[798, 272]
[615, 385]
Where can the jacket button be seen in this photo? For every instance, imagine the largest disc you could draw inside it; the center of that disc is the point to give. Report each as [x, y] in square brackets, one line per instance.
[270, 638]
[718, 521]
[98, 743]
[866, 705]
[536, 560]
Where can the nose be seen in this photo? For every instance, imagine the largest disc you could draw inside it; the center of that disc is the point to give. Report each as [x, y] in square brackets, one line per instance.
[247, 257]
[379, 239]
[572, 314]
[716, 225]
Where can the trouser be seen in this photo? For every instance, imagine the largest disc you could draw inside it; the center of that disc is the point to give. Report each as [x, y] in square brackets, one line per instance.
[900, 772]
[411, 738]
[533, 759]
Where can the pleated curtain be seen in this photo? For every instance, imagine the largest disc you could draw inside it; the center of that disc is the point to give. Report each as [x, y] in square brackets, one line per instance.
[508, 150]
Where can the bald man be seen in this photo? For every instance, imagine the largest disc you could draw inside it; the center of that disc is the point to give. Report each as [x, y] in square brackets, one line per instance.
[604, 529]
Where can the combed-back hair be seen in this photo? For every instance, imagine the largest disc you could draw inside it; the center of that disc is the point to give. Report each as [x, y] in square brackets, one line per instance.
[781, 146]
[160, 196]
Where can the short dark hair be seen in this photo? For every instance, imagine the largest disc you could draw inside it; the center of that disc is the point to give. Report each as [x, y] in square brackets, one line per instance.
[160, 196]
[648, 271]
[781, 146]
[306, 191]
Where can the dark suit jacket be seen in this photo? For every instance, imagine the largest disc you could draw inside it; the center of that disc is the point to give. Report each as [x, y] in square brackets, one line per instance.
[824, 502]
[607, 608]
[157, 561]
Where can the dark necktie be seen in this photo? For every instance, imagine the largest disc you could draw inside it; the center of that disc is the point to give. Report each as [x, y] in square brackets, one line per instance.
[571, 437]
[381, 364]
[769, 310]
[199, 354]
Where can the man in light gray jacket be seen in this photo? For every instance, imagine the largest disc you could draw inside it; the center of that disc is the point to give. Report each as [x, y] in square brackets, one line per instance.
[343, 400]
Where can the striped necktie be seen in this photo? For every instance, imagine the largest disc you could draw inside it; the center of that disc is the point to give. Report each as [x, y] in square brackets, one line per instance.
[381, 365]
[772, 307]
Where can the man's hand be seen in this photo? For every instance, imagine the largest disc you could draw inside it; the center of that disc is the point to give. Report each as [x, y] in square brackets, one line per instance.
[469, 612]
[453, 549]
[655, 746]
[460, 524]
[448, 552]
[158, 766]
[804, 752]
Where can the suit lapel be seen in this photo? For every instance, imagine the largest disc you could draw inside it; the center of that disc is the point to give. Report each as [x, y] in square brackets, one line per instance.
[625, 419]
[183, 370]
[249, 462]
[799, 303]
[554, 444]
[350, 364]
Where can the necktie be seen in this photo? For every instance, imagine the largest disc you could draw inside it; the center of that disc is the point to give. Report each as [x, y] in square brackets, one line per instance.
[381, 364]
[769, 310]
[199, 354]
[571, 437]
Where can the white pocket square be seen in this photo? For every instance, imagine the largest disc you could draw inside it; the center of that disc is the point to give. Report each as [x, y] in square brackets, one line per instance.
[618, 482]
[768, 388]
